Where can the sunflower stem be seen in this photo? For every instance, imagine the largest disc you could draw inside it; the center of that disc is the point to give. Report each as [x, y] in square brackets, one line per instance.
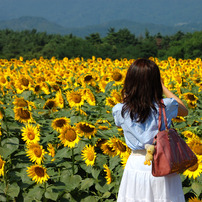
[6, 124]
[6, 183]
[73, 160]
[45, 199]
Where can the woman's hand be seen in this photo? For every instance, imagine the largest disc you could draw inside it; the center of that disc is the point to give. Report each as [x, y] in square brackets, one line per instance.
[182, 110]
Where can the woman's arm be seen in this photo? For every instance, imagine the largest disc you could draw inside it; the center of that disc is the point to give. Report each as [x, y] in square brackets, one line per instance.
[182, 110]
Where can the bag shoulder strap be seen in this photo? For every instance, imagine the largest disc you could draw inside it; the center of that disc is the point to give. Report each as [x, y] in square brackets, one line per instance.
[164, 116]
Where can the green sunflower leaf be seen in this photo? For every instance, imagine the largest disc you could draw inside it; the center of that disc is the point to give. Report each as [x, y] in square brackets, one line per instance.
[197, 187]
[8, 146]
[86, 183]
[13, 190]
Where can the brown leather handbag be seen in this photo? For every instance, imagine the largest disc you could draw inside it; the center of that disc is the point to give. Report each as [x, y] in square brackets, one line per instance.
[172, 154]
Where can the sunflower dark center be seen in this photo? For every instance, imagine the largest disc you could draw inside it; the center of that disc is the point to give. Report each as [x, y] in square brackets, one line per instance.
[38, 152]
[3, 80]
[37, 88]
[77, 98]
[90, 156]
[118, 97]
[88, 78]
[117, 76]
[31, 135]
[22, 103]
[70, 135]
[56, 87]
[24, 114]
[111, 149]
[121, 147]
[198, 148]
[25, 82]
[111, 102]
[60, 123]
[1, 163]
[39, 171]
[193, 168]
[50, 104]
[191, 97]
[86, 129]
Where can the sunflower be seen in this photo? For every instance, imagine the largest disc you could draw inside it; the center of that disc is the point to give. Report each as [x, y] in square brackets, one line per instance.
[59, 99]
[0, 130]
[118, 76]
[37, 89]
[75, 98]
[100, 142]
[194, 200]
[35, 152]
[3, 80]
[195, 144]
[37, 173]
[82, 112]
[108, 149]
[59, 123]
[110, 102]
[45, 88]
[20, 102]
[116, 95]
[89, 96]
[23, 115]
[119, 146]
[68, 136]
[89, 155]
[51, 151]
[50, 104]
[197, 147]
[88, 79]
[30, 134]
[24, 81]
[190, 98]
[85, 129]
[103, 124]
[1, 115]
[54, 86]
[178, 119]
[190, 136]
[2, 165]
[108, 174]
[102, 84]
[195, 170]
[192, 105]
[124, 158]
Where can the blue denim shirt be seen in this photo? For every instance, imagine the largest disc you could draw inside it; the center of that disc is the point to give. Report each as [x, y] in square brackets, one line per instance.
[138, 134]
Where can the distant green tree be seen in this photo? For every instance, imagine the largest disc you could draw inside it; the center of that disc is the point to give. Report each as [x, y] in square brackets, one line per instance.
[121, 44]
[193, 45]
[94, 39]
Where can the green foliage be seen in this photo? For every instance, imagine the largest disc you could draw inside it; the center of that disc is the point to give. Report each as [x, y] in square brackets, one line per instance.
[116, 45]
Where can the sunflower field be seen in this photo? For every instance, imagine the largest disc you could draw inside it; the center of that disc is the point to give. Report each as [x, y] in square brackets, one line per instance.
[58, 140]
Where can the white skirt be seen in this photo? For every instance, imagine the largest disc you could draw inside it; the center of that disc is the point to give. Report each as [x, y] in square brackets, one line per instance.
[139, 185]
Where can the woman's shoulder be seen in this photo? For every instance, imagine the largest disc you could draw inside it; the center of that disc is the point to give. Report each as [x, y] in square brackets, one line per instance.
[171, 107]
[170, 102]
[116, 112]
[117, 107]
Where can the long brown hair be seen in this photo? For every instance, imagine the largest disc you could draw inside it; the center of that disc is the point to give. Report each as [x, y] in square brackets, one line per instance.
[142, 89]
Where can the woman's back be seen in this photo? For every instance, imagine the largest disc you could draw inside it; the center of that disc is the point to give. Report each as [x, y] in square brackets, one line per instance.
[138, 134]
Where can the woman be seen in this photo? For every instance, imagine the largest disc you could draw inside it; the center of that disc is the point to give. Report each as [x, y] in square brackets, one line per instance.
[138, 117]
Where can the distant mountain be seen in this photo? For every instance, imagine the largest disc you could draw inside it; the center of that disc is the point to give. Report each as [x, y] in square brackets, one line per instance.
[29, 23]
[43, 25]
[80, 13]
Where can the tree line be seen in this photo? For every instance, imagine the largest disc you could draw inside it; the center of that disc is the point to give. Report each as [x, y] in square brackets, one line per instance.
[115, 45]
